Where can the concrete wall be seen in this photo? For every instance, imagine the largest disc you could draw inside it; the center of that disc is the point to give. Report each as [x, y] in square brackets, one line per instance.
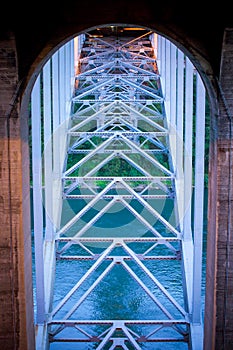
[219, 282]
[16, 302]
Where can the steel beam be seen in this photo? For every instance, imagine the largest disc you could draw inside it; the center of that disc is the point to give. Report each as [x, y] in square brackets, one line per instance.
[37, 202]
[116, 110]
[47, 154]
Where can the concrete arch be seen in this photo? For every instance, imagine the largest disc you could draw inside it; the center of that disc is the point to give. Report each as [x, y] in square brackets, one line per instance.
[186, 45]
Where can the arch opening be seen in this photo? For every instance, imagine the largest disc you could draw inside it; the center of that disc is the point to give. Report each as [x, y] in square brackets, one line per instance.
[113, 130]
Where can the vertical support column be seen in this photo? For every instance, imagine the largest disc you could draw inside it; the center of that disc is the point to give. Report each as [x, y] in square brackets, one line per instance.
[72, 66]
[55, 108]
[62, 94]
[168, 80]
[180, 112]
[198, 198]
[173, 92]
[63, 82]
[47, 153]
[173, 88]
[187, 242]
[180, 136]
[68, 78]
[37, 202]
[188, 149]
[56, 142]
[196, 326]
[49, 245]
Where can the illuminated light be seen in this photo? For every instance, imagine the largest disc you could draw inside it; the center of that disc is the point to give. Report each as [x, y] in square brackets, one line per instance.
[134, 28]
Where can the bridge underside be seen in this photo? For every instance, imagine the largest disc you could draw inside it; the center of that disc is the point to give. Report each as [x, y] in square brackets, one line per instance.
[118, 175]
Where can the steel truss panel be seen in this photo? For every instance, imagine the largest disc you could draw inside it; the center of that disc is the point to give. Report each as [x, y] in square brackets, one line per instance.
[118, 117]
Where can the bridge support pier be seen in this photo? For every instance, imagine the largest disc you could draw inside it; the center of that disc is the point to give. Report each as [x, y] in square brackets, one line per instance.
[219, 282]
[16, 300]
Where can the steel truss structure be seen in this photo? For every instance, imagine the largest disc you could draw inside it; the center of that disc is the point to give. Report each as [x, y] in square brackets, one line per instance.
[118, 152]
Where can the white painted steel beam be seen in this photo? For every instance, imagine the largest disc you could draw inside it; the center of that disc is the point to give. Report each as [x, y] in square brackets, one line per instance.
[37, 202]
[198, 201]
[179, 183]
[115, 108]
[47, 154]
[188, 169]
[197, 335]
[55, 141]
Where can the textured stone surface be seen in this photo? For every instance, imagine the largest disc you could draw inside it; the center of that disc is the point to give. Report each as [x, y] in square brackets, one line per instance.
[219, 286]
[16, 303]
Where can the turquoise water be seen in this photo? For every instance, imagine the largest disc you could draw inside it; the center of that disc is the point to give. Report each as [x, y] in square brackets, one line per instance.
[118, 295]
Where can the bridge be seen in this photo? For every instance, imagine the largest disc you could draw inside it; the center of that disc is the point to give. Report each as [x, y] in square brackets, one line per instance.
[118, 125]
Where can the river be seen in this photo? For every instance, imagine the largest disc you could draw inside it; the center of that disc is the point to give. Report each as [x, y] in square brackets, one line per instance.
[118, 296]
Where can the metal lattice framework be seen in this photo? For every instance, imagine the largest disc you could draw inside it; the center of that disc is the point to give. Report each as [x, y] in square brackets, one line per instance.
[119, 151]
[118, 113]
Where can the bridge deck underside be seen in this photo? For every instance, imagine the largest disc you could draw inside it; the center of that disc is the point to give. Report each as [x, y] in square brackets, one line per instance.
[122, 230]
